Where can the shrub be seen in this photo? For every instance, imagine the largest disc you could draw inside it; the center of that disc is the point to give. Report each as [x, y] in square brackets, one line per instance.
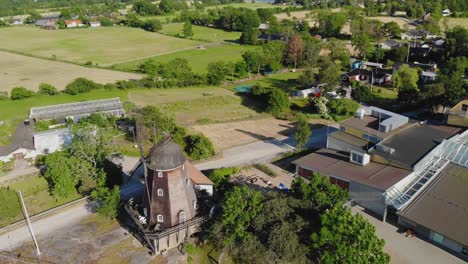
[81, 85]
[106, 22]
[265, 169]
[278, 102]
[19, 93]
[126, 85]
[107, 201]
[343, 106]
[199, 147]
[152, 25]
[219, 176]
[10, 205]
[47, 89]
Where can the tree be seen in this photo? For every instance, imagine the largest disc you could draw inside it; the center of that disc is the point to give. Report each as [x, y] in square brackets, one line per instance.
[457, 42]
[319, 192]
[249, 36]
[302, 132]
[19, 93]
[153, 25]
[216, 73]
[392, 29]
[362, 43]
[199, 147]
[47, 89]
[239, 210]
[108, 201]
[241, 69]
[188, 32]
[81, 85]
[59, 175]
[254, 60]
[343, 106]
[295, 49]
[330, 24]
[406, 78]
[344, 236]
[278, 102]
[329, 75]
[106, 22]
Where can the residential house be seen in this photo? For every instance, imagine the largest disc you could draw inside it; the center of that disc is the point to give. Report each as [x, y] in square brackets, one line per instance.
[372, 65]
[458, 115]
[71, 23]
[50, 26]
[262, 27]
[22, 145]
[94, 24]
[414, 34]
[356, 75]
[428, 76]
[17, 21]
[389, 44]
[438, 42]
[382, 77]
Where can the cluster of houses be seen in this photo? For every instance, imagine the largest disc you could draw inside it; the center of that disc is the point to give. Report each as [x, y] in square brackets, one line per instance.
[51, 23]
[407, 172]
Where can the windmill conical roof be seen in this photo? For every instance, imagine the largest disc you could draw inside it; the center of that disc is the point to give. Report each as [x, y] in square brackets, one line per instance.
[165, 156]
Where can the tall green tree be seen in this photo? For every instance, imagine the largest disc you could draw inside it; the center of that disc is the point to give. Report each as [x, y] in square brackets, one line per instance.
[302, 132]
[406, 78]
[216, 72]
[188, 32]
[107, 201]
[278, 102]
[59, 175]
[344, 237]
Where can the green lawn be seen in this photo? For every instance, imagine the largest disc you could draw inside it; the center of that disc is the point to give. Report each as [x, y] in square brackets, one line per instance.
[35, 191]
[198, 58]
[198, 105]
[105, 45]
[201, 33]
[14, 112]
[285, 81]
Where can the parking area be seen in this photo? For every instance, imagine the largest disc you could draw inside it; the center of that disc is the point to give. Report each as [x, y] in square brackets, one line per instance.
[407, 250]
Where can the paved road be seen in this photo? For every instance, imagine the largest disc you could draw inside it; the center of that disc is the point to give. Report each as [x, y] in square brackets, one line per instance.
[255, 152]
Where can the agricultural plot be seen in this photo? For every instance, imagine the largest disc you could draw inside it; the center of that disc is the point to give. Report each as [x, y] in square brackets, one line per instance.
[104, 46]
[18, 70]
[453, 22]
[198, 58]
[198, 105]
[201, 33]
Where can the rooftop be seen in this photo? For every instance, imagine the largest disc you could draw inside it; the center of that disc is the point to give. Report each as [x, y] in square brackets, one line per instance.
[447, 196]
[165, 155]
[412, 144]
[391, 42]
[335, 163]
[196, 175]
[23, 139]
[80, 108]
[370, 125]
[357, 143]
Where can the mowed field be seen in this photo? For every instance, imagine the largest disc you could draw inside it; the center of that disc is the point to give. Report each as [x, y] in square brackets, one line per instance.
[18, 70]
[201, 33]
[453, 22]
[104, 45]
[198, 105]
[198, 59]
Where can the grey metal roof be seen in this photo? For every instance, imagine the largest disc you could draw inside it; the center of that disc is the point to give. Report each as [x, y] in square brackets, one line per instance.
[80, 108]
[165, 156]
[443, 205]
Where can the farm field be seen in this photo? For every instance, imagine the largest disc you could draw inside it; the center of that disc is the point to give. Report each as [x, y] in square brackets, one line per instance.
[453, 22]
[401, 21]
[198, 105]
[18, 70]
[198, 59]
[201, 33]
[104, 46]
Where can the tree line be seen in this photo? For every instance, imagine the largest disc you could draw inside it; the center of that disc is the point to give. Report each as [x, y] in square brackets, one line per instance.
[306, 224]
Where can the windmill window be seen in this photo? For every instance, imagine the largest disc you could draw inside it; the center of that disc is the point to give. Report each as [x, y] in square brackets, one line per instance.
[160, 218]
[195, 204]
[160, 192]
[181, 217]
[160, 174]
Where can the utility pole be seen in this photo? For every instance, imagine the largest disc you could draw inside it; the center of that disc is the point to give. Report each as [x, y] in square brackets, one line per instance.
[25, 211]
[407, 56]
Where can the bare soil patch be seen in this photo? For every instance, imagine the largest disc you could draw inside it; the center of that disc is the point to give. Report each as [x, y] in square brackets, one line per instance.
[19, 70]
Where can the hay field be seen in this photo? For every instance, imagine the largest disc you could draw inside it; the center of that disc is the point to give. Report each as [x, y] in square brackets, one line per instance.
[401, 21]
[453, 22]
[198, 59]
[104, 45]
[201, 33]
[19, 70]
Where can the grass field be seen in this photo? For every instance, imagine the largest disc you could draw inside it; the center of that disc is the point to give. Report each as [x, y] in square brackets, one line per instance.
[201, 33]
[198, 58]
[105, 45]
[18, 70]
[453, 22]
[13, 112]
[198, 105]
[36, 196]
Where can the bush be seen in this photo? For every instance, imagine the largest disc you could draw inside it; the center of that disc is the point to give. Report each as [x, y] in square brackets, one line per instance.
[198, 147]
[107, 201]
[126, 85]
[218, 176]
[47, 89]
[362, 94]
[152, 25]
[106, 22]
[343, 106]
[19, 93]
[81, 85]
[278, 102]
[265, 169]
